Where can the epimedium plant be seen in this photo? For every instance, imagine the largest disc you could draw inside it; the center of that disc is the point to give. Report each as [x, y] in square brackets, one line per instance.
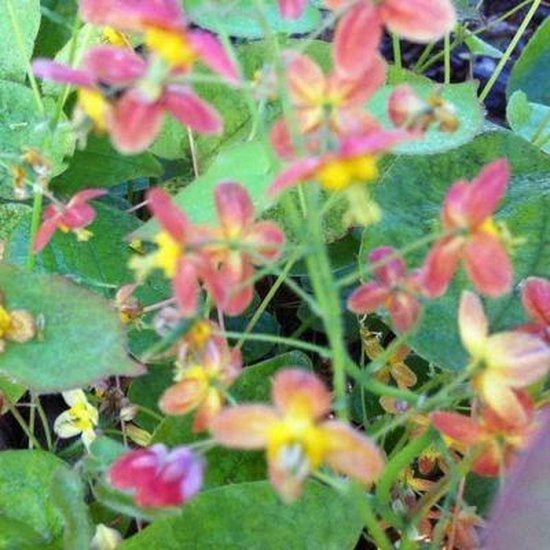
[182, 203]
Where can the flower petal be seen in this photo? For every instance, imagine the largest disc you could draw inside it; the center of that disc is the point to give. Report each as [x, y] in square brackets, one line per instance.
[368, 298]
[136, 122]
[191, 110]
[440, 266]
[419, 20]
[458, 427]
[473, 325]
[211, 406]
[170, 217]
[114, 66]
[213, 54]
[535, 295]
[488, 264]
[294, 174]
[306, 80]
[357, 38]
[184, 396]
[244, 426]
[238, 287]
[64, 425]
[137, 468]
[351, 453]
[300, 392]
[57, 72]
[234, 207]
[404, 310]
[389, 265]
[186, 287]
[292, 9]
[45, 233]
[268, 240]
[374, 142]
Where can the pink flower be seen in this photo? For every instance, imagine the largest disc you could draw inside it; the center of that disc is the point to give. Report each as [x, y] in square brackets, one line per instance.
[474, 237]
[158, 477]
[292, 9]
[535, 295]
[180, 254]
[393, 288]
[244, 244]
[166, 32]
[326, 103]
[74, 216]
[359, 32]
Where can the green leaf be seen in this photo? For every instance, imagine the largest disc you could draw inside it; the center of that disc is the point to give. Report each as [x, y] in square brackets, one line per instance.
[99, 165]
[249, 515]
[463, 96]
[531, 71]
[100, 263]
[411, 196]
[20, 21]
[82, 341]
[240, 18]
[17, 535]
[252, 164]
[68, 495]
[10, 215]
[25, 479]
[23, 126]
[55, 27]
[477, 46]
[529, 120]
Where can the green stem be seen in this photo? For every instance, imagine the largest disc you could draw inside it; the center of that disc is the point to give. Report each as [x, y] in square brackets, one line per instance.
[447, 57]
[24, 426]
[35, 224]
[372, 524]
[396, 43]
[45, 423]
[539, 133]
[511, 47]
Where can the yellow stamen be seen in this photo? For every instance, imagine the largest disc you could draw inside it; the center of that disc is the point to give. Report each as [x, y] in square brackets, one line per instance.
[340, 174]
[168, 253]
[83, 416]
[116, 38]
[95, 106]
[5, 321]
[171, 46]
[489, 226]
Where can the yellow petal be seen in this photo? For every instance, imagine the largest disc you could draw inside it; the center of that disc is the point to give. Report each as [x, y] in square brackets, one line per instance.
[472, 324]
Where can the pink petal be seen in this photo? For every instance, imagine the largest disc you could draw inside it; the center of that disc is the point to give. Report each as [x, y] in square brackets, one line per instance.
[191, 110]
[440, 266]
[76, 216]
[268, 240]
[489, 463]
[488, 265]
[136, 122]
[357, 38]
[404, 311]
[351, 453]
[288, 483]
[297, 172]
[45, 233]
[112, 66]
[170, 217]
[87, 195]
[472, 324]
[419, 20]
[306, 80]
[487, 191]
[300, 392]
[184, 396]
[281, 140]
[292, 9]
[535, 295]
[244, 426]
[57, 72]
[213, 54]
[137, 467]
[234, 207]
[455, 206]
[186, 287]
[392, 268]
[404, 105]
[368, 298]
[375, 142]
[462, 429]
[238, 288]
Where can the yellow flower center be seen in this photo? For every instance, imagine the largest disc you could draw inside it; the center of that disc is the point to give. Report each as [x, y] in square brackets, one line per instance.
[168, 253]
[489, 226]
[200, 334]
[95, 106]
[340, 174]
[5, 321]
[116, 38]
[171, 46]
[84, 416]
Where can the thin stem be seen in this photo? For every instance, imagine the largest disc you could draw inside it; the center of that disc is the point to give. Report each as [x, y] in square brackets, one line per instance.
[396, 44]
[24, 426]
[447, 57]
[32, 421]
[511, 47]
[374, 529]
[194, 152]
[35, 223]
[45, 423]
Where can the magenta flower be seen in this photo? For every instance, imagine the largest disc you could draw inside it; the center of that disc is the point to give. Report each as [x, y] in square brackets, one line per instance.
[158, 477]
[394, 289]
[74, 216]
[535, 295]
[474, 237]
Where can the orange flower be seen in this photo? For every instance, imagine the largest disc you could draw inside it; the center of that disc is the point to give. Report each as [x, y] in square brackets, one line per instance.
[297, 438]
[507, 360]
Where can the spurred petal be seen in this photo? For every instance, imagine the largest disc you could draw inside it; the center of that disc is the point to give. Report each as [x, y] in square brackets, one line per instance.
[137, 467]
[207, 411]
[440, 266]
[351, 453]
[489, 464]
[87, 195]
[234, 207]
[368, 298]
[487, 190]
[521, 358]
[191, 110]
[170, 217]
[392, 268]
[419, 20]
[113, 66]
[292, 9]
[244, 426]
[374, 142]
[404, 310]
[535, 295]
[281, 140]
[297, 172]
[300, 392]
[238, 288]
[488, 264]
[184, 396]
[472, 324]
[306, 81]
[65, 426]
[136, 122]
[186, 287]
[357, 37]
[286, 482]
[57, 72]
[268, 239]
[77, 216]
[458, 427]
[45, 233]
[213, 54]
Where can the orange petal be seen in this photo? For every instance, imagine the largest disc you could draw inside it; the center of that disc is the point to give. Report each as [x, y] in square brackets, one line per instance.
[440, 266]
[183, 396]
[288, 484]
[244, 426]
[306, 80]
[472, 324]
[210, 407]
[458, 427]
[297, 391]
[502, 399]
[403, 375]
[351, 453]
